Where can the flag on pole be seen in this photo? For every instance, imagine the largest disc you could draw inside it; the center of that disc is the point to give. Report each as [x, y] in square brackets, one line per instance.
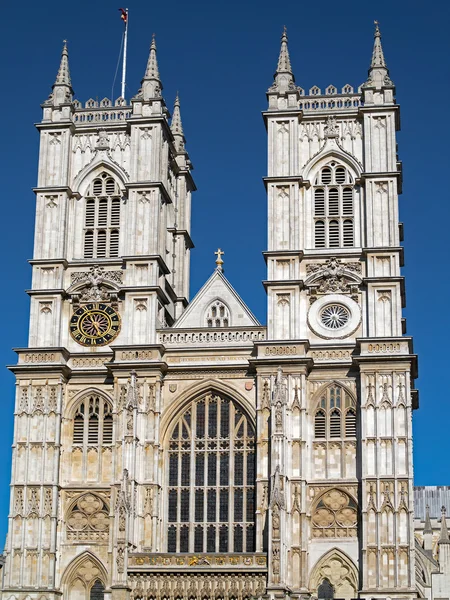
[124, 15]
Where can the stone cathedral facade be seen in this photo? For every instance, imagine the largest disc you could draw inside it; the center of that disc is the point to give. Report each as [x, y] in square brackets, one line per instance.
[175, 450]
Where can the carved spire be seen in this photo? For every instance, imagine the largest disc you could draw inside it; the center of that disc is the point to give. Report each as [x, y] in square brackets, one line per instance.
[427, 527]
[177, 127]
[444, 538]
[377, 54]
[378, 71]
[428, 532]
[284, 77]
[62, 88]
[151, 84]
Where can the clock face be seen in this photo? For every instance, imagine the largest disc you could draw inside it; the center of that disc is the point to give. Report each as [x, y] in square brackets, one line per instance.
[94, 324]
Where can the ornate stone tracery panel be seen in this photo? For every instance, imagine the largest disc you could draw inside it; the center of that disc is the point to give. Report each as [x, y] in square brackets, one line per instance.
[335, 515]
[88, 520]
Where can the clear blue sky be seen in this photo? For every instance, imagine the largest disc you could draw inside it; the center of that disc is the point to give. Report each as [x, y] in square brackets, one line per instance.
[221, 58]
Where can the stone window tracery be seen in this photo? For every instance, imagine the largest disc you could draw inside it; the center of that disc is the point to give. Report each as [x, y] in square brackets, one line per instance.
[211, 479]
[335, 416]
[335, 515]
[102, 218]
[93, 423]
[88, 520]
[333, 208]
[218, 315]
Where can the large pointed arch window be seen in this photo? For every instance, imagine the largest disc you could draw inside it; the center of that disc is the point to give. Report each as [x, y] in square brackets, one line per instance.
[211, 479]
[334, 208]
[102, 218]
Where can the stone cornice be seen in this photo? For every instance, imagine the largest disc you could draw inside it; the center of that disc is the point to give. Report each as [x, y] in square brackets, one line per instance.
[148, 257]
[145, 185]
[283, 283]
[149, 289]
[286, 179]
[66, 124]
[386, 249]
[49, 261]
[184, 233]
[283, 254]
[57, 189]
[46, 292]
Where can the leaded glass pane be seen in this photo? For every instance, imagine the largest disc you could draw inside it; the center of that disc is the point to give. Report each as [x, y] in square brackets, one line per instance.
[200, 469]
[211, 539]
[185, 469]
[212, 469]
[211, 508]
[212, 428]
[239, 469]
[173, 469]
[200, 420]
[173, 505]
[250, 538]
[97, 591]
[223, 539]
[238, 505]
[184, 505]
[250, 468]
[184, 539]
[250, 510]
[198, 539]
[224, 466]
[238, 538]
[224, 419]
[199, 502]
[172, 539]
[224, 505]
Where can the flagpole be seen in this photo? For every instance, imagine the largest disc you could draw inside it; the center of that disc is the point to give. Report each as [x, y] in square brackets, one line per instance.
[124, 65]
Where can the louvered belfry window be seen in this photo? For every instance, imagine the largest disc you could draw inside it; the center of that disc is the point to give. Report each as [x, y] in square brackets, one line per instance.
[102, 218]
[93, 423]
[333, 206]
[211, 479]
[335, 416]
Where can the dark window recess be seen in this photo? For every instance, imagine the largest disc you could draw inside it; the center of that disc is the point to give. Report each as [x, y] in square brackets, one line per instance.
[97, 591]
[223, 538]
[238, 538]
[172, 539]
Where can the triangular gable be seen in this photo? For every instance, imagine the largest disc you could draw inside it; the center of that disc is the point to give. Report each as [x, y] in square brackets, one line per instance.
[216, 288]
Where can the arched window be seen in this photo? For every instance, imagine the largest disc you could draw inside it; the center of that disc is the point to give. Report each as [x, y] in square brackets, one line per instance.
[102, 218]
[325, 590]
[93, 423]
[217, 315]
[335, 416]
[334, 208]
[97, 591]
[211, 479]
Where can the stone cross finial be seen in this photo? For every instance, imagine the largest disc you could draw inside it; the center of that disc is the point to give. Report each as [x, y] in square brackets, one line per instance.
[219, 262]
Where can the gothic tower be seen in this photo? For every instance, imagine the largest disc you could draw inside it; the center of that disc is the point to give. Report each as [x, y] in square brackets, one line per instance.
[110, 267]
[340, 372]
[174, 450]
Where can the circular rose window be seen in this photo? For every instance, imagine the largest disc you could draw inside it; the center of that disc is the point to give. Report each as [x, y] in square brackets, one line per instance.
[334, 316]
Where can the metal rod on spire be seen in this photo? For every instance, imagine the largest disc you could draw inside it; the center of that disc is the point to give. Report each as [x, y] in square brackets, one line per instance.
[124, 64]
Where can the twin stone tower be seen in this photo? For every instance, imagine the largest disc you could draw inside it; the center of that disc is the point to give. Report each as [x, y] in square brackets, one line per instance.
[167, 449]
